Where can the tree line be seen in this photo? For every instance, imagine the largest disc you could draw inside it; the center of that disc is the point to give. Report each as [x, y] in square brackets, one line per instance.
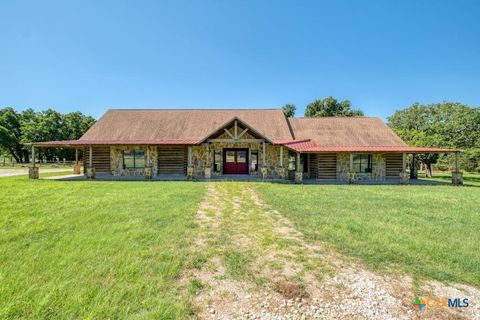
[445, 125]
[19, 129]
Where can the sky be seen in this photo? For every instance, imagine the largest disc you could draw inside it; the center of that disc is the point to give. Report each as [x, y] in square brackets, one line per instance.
[94, 55]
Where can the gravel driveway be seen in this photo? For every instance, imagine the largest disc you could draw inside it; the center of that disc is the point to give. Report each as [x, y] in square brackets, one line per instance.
[256, 265]
[23, 171]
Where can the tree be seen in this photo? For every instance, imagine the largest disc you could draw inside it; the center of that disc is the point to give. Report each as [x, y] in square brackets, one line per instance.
[289, 110]
[446, 125]
[10, 134]
[18, 130]
[330, 107]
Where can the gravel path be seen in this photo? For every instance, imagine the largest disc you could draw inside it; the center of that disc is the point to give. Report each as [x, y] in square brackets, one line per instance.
[299, 280]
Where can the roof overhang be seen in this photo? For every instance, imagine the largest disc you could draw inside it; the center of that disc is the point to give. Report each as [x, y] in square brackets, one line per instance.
[83, 143]
[309, 146]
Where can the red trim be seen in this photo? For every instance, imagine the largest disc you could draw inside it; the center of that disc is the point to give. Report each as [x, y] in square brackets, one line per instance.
[111, 142]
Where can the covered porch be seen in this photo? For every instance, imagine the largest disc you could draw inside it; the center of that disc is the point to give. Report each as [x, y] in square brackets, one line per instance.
[361, 165]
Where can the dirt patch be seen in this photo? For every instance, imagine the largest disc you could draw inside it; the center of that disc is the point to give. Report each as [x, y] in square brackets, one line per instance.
[287, 277]
[291, 290]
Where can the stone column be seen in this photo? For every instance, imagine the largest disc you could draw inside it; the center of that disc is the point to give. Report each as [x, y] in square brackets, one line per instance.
[298, 172]
[404, 176]
[190, 165]
[33, 172]
[208, 165]
[457, 175]
[147, 171]
[352, 177]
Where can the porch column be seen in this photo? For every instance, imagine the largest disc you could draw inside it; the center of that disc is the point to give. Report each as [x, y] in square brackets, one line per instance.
[404, 177]
[263, 153]
[414, 172]
[281, 170]
[208, 166]
[33, 169]
[298, 172]
[457, 175]
[90, 169]
[147, 171]
[189, 166]
[281, 156]
[76, 167]
[351, 173]
[263, 169]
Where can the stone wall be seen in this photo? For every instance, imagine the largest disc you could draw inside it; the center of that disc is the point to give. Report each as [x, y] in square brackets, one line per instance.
[116, 160]
[379, 167]
[272, 156]
[343, 166]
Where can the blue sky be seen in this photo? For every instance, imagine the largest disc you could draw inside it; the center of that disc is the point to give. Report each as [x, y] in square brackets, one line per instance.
[95, 55]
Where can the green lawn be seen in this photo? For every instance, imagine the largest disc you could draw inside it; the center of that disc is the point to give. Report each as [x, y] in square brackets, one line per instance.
[95, 249]
[426, 231]
[469, 178]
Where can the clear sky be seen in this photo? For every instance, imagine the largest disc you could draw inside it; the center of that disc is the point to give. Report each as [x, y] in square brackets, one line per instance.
[95, 55]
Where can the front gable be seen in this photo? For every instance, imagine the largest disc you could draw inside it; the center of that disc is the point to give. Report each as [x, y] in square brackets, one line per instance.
[235, 130]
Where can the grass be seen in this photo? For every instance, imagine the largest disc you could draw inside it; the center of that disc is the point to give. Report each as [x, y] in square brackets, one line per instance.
[428, 232]
[469, 178]
[95, 249]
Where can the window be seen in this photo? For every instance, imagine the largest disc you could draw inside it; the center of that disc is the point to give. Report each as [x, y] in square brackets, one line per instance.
[217, 161]
[362, 163]
[230, 156]
[241, 156]
[133, 159]
[254, 161]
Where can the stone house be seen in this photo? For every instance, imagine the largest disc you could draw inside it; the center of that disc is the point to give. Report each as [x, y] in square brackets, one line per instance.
[260, 144]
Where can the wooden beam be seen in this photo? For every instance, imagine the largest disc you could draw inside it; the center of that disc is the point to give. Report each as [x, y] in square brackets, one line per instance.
[229, 133]
[457, 163]
[351, 162]
[90, 157]
[404, 162]
[281, 156]
[148, 156]
[298, 162]
[208, 154]
[33, 155]
[235, 140]
[263, 154]
[76, 156]
[189, 156]
[242, 133]
[236, 129]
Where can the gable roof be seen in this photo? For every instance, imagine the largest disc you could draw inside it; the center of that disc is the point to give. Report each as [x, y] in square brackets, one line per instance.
[190, 126]
[345, 132]
[187, 126]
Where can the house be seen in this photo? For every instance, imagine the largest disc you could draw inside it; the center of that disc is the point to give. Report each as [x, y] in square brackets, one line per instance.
[201, 144]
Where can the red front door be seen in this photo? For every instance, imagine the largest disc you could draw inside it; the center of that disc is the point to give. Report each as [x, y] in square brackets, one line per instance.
[235, 161]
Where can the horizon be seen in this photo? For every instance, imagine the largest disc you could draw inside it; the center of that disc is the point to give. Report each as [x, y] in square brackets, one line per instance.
[91, 57]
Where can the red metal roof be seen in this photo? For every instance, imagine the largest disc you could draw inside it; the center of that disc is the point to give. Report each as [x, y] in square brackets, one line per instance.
[309, 146]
